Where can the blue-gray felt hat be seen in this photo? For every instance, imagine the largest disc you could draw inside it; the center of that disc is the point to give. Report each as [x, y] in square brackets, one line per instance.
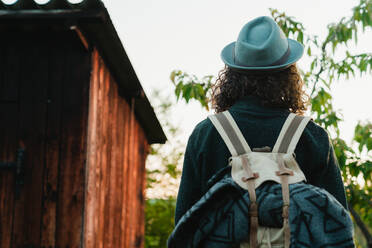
[262, 45]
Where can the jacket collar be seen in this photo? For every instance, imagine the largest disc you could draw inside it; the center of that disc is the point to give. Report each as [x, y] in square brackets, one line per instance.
[253, 105]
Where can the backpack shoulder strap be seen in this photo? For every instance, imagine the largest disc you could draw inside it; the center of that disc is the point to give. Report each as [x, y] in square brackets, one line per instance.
[230, 133]
[290, 133]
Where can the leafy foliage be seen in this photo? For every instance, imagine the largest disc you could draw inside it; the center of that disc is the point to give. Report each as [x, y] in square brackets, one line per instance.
[355, 159]
[159, 221]
[190, 87]
[321, 74]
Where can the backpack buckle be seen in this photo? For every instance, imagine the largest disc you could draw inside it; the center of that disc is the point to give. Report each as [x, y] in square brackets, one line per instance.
[284, 173]
[254, 176]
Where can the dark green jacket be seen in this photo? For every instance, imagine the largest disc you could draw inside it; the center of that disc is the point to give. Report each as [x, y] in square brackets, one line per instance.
[206, 153]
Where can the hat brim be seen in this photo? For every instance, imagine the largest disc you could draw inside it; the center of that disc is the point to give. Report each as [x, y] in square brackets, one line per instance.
[296, 52]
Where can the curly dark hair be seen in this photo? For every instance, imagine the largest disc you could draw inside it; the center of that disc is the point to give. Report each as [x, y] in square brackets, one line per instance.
[282, 89]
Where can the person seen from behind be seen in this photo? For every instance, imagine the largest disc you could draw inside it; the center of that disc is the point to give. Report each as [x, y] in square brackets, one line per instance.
[260, 87]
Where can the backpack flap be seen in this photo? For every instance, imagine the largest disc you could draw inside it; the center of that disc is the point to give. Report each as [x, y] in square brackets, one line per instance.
[265, 165]
[251, 168]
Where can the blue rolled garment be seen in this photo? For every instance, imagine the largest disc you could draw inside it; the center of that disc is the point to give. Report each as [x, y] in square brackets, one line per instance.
[220, 218]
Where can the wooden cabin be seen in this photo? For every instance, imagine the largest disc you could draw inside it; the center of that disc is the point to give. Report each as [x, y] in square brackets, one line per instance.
[75, 129]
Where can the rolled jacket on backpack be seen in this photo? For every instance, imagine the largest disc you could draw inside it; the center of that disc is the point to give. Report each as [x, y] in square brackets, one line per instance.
[220, 218]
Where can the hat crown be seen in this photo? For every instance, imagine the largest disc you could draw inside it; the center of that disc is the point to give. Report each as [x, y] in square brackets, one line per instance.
[261, 42]
[262, 45]
[255, 34]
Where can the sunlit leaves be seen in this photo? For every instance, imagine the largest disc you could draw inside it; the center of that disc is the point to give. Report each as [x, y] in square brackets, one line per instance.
[322, 73]
[357, 171]
[347, 28]
[343, 153]
[190, 87]
[362, 13]
[289, 26]
[351, 64]
[363, 135]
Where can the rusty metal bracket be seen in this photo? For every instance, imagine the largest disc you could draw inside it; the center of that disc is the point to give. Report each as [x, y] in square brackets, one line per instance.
[18, 167]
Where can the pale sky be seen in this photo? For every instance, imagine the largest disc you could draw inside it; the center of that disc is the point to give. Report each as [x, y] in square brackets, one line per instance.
[162, 35]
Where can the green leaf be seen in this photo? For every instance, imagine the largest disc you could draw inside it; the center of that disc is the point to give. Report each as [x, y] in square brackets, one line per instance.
[300, 37]
[313, 64]
[187, 92]
[178, 89]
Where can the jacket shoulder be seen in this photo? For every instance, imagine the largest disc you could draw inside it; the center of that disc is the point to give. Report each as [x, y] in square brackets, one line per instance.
[315, 131]
[203, 133]
[315, 143]
[202, 129]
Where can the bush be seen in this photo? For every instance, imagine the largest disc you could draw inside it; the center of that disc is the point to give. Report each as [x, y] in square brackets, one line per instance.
[159, 221]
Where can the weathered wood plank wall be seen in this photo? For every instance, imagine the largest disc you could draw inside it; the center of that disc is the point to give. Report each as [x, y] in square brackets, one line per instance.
[84, 178]
[115, 174]
[44, 90]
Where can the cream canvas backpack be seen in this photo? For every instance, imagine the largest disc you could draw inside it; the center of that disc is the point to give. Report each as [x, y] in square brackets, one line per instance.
[252, 167]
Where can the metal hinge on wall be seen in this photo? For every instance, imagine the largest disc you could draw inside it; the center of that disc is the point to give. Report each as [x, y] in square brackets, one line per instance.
[18, 168]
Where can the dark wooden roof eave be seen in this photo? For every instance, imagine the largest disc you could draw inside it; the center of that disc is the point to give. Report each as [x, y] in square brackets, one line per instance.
[96, 25]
